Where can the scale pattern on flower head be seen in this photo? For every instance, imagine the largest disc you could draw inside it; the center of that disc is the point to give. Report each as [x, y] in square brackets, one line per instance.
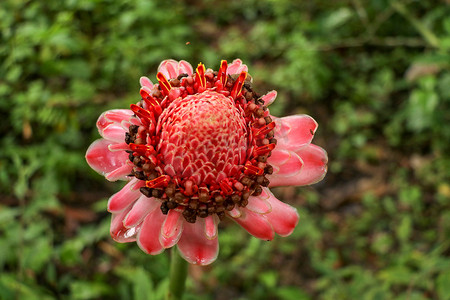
[201, 146]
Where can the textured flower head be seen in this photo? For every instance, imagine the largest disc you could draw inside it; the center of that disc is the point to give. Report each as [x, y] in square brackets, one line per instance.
[201, 146]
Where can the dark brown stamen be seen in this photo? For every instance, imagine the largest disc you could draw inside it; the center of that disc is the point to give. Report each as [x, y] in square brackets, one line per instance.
[146, 191]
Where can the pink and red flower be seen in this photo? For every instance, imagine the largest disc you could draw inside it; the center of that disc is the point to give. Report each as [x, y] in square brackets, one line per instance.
[201, 146]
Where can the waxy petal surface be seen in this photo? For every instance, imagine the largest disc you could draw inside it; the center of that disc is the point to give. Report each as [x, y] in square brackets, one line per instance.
[315, 161]
[115, 116]
[127, 195]
[119, 173]
[114, 133]
[236, 67]
[256, 224]
[120, 233]
[211, 223]
[285, 164]
[194, 245]
[148, 236]
[283, 217]
[171, 68]
[259, 204]
[172, 228]
[269, 98]
[314, 168]
[141, 208]
[146, 82]
[104, 161]
[294, 131]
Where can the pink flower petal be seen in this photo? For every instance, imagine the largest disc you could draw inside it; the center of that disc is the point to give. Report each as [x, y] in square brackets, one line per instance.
[211, 223]
[285, 163]
[256, 224]
[119, 173]
[235, 213]
[172, 228]
[314, 168]
[148, 236]
[146, 82]
[269, 98]
[184, 67]
[294, 131]
[127, 195]
[113, 132]
[236, 67]
[195, 247]
[242, 68]
[102, 160]
[141, 208]
[113, 116]
[315, 161]
[169, 68]
[147, 90]
[259, 204]
[118, 232]
[283, 217]
[118, 147]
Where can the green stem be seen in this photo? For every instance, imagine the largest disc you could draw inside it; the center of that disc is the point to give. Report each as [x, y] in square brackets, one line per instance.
[178, 274]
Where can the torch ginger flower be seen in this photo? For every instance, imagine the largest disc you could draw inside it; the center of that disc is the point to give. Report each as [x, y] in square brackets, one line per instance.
[197, 148]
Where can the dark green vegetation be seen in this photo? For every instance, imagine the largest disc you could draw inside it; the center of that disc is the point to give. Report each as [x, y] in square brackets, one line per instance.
[374, 74]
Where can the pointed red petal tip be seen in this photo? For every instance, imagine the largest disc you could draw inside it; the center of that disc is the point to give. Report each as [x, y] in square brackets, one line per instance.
[144, 115]
[223, 72]
[250, 169]
[161, 181]
[265, 129]
[163, 83]
[151, 102]
[142, 149]
[263, 150]
[237, 88]
[200, 75]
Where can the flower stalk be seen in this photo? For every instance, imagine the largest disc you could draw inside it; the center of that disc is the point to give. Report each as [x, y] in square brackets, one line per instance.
[178, 274]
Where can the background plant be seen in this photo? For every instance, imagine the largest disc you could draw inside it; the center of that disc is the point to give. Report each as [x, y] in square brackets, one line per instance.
[375, 74]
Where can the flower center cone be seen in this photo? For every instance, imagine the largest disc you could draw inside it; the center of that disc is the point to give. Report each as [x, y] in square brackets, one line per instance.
[203, 137]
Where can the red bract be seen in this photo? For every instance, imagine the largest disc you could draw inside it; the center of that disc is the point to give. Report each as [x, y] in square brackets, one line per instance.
[197, 148]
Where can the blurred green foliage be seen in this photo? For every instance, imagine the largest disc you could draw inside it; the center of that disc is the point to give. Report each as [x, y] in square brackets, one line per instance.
[375, 74]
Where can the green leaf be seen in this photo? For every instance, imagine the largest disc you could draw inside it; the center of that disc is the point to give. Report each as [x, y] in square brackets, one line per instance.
[443, 285]
[269, 278]
[140, 281]
[15, 288]
[404, 229]
[337, 18]
[291, 293]
[396, 275]
[84, 290]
